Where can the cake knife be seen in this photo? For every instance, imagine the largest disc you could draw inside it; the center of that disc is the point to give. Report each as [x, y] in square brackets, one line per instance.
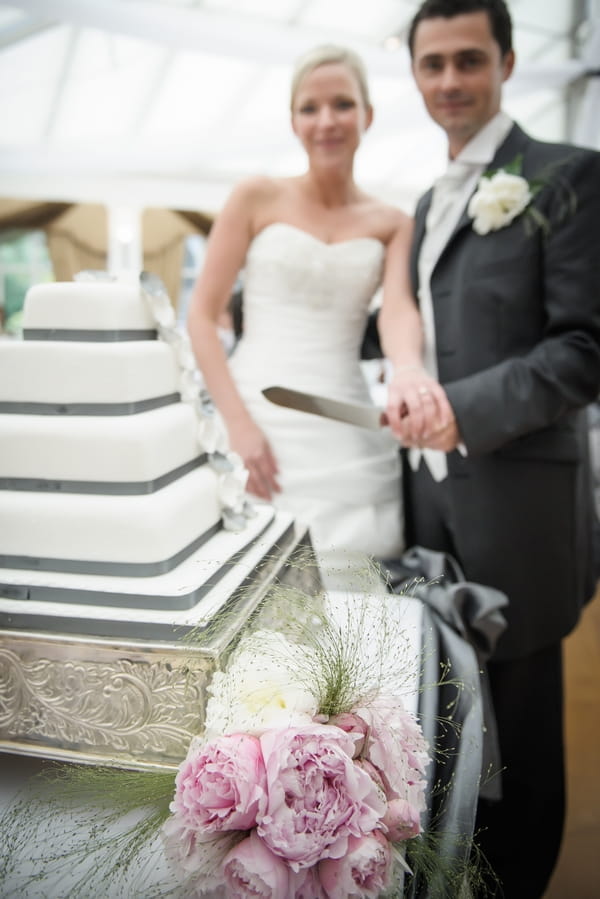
[363, 416]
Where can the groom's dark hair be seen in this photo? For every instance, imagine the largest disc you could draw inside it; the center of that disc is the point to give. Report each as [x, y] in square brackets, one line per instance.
[497, 12]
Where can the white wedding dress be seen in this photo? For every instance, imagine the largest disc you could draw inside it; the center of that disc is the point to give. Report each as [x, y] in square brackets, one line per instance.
[305, 310]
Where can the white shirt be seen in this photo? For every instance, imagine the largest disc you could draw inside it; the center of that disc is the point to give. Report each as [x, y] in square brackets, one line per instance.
[451, 193]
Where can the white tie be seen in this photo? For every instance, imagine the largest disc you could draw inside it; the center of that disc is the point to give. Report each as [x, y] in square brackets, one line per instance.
[450, 194]
[445, 209]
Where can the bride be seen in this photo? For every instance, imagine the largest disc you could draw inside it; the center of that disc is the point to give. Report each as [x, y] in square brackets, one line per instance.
[315, 249]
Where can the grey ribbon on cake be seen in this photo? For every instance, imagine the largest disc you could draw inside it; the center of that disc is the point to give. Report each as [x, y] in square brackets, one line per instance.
[462, 624]
[104, 488]
[127, 408]
[109, 568]
[83, 335]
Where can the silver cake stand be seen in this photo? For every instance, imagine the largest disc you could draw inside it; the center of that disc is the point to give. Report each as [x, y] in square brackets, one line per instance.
[137, 702]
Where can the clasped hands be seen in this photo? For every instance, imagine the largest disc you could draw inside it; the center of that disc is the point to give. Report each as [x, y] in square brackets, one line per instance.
[418, 412]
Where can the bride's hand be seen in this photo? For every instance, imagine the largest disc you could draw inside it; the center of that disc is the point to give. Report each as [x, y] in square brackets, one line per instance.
[250, 443]
[417, 406]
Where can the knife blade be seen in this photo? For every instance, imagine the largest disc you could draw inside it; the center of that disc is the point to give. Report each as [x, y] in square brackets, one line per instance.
[363, 416]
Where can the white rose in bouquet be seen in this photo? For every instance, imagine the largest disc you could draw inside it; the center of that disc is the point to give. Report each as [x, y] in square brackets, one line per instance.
[262, 687]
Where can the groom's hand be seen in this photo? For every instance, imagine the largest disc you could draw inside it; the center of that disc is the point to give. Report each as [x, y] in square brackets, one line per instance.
[417, 406]
[445, 438]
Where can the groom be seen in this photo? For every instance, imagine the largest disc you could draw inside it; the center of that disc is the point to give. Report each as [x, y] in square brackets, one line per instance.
[510, 299]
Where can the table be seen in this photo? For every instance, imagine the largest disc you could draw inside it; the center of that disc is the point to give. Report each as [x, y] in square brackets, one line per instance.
[150, 876]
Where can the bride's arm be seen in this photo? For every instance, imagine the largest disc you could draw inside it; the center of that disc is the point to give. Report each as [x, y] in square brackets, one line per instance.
[225, 254]
[417, 404]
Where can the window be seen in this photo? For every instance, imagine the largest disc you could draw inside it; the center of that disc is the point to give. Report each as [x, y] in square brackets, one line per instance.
[24, 261]
[193, 258]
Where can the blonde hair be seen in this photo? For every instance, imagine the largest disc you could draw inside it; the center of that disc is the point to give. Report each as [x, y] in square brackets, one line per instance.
[330, 53]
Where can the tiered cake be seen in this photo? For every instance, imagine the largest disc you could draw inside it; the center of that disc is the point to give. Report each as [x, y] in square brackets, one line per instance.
[117, 491]
[130, 557]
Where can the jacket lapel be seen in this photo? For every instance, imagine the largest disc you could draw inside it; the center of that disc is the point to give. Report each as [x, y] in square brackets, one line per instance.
[418, 235]
[514, 143]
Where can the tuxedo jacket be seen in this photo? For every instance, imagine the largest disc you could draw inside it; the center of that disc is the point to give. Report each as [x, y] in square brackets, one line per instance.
[517, 322]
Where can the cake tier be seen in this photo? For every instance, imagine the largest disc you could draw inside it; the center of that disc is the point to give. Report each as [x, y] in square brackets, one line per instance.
[130, 535]
[82, 377]
[219, 573]
[125, 453]
[87, 307]
[120, 597]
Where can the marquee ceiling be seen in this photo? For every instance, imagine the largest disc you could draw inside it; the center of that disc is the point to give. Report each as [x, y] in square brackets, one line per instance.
[169, 102]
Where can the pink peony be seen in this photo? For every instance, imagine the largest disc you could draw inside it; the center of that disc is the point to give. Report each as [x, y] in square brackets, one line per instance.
[221, 785]
[397, 748]
[251, 870]
[305, 884]
[196, 858]
[362, 873]
[354, 725]
[402, 819]
[317, 796]
[373, 772]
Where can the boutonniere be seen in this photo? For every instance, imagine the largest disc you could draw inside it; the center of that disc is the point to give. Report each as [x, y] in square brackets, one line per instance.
[500, 197]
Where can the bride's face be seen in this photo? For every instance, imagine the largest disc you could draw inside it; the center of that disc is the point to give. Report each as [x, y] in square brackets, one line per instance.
[329, 114]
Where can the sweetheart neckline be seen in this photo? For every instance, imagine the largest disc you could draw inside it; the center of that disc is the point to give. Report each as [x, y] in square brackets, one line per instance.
[318, 240]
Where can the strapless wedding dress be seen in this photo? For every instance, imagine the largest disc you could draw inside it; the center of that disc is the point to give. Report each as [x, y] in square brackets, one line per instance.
[305, 310]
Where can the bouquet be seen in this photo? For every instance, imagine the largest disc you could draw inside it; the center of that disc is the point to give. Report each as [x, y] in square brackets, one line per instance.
[280, 798]
[305, 781]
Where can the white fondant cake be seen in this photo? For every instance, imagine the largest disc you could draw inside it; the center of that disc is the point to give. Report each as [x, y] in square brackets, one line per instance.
[69, 372]
[93, 305]
[150, 444]
[116, 486]
[58, 531]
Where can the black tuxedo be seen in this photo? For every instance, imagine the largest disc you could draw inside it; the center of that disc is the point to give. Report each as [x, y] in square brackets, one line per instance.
[517, 322]
[517, 318]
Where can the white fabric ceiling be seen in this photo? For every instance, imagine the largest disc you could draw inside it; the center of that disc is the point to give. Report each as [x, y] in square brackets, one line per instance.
[169, 102]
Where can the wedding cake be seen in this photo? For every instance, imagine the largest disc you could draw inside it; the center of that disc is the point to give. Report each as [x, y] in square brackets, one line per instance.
[123, 511]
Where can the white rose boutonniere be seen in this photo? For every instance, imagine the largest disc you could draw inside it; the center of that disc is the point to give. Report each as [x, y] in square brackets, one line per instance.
[503, 194]
[500, 198]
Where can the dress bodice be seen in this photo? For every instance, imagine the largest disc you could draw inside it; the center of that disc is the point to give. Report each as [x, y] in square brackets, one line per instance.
[307, 298]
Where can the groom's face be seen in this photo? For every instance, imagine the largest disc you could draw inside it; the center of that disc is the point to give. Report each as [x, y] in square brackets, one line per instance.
[459, 71]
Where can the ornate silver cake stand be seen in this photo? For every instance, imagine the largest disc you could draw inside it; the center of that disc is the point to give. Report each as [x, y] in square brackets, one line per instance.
[137, 702]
